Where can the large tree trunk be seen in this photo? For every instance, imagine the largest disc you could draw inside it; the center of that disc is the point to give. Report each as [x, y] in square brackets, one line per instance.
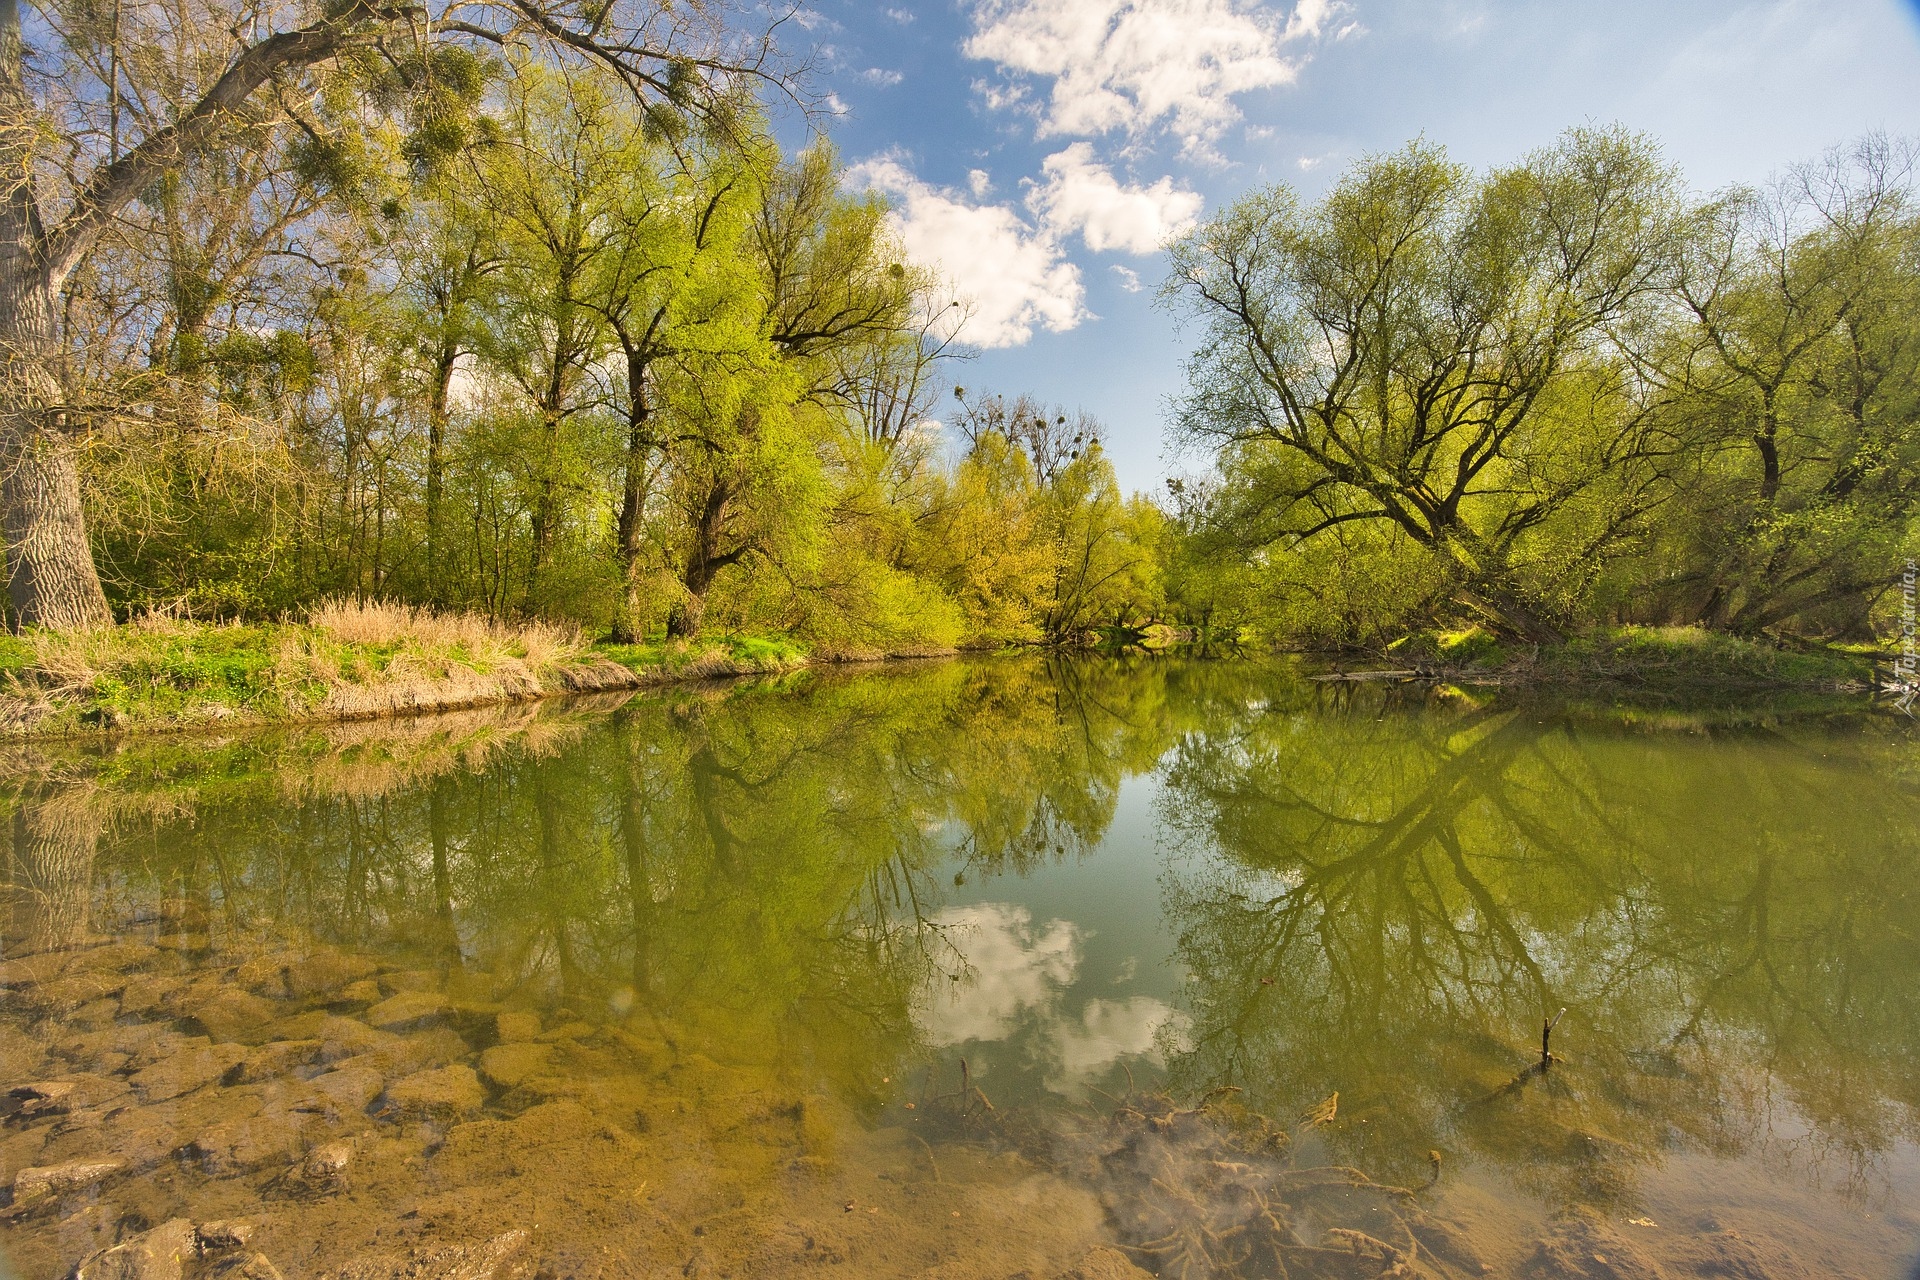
[704, 560]
[50, 575]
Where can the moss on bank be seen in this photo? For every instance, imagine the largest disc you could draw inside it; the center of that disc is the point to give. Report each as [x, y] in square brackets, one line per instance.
[347, 661]
[1654, 657]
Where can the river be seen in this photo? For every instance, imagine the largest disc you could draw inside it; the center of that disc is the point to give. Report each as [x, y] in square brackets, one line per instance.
[1008, 967]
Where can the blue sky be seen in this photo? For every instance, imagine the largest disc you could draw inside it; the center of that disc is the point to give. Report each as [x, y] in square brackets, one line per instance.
[1038, 150]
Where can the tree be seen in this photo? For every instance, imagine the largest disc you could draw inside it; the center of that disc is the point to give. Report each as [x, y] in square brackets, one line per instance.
[678, 287]
[72, 172]
[828, 278]
[1796, 368]
[1433, 351]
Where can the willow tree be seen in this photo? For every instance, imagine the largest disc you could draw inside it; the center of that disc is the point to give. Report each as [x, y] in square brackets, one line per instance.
[827, 277]
[80, 142]
[1799, 370]
[1432, 351]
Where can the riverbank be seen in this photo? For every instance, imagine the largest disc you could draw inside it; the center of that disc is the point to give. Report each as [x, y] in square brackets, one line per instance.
[352, 661]
[346, 662]
[1653, 658]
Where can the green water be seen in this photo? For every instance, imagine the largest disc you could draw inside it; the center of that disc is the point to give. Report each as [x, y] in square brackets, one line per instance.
[913, 971]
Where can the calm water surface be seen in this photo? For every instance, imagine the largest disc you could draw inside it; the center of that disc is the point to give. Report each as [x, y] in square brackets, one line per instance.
[1004, 968]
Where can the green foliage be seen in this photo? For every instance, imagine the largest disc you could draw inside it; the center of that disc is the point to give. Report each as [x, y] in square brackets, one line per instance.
[1555, 397]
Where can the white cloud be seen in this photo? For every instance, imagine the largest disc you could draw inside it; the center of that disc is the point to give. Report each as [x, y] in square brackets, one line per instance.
[1135, 64]
[1013, 275]
[980, 182]
[881, 76]
[1079, 194]
[901, 16]
[1129, 278]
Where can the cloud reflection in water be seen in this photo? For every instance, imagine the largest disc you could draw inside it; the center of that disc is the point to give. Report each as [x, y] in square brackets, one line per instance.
[1015, 989]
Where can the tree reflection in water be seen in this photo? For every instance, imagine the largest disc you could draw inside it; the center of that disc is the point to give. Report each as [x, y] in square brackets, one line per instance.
[756, 864]
[1371, 896]
[1396, 897]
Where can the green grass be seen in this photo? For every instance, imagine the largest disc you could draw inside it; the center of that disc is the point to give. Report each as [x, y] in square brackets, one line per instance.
[1654, 656]
[1689, 655]
[350, 659]
[757, 653]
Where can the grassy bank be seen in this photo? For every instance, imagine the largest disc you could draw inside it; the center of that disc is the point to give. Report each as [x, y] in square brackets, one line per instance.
[1650, 657]
[346, 661]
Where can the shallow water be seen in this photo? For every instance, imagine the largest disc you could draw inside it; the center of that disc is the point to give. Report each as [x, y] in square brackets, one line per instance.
[975, 968]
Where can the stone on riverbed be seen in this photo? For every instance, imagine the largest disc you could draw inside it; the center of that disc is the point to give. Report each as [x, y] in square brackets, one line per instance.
[276, 1060]
[325, 1168]
[435, 1047]
[507, 1065]
[233, 1147]
[264, 976]
[325, 972]
[223, 1234]
[41, 1098]
[148, 992]
[231, 1014]
[341, 1094]
[191, 1067]
[252, 1266]
[410, 1009]
[448, 1093]
[159, 1254]
[1104, 1263]
[31, 1185]
[481, 1260]
[356, 994]
[515, 1024]
[346, 1038]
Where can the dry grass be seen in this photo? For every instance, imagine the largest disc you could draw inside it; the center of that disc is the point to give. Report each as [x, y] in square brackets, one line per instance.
[472, 636]
[71, 661]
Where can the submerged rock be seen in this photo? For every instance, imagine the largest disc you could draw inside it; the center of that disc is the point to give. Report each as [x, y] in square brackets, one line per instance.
[356, 994]
[325, 972]
[148, 992]
[1104, 1263]
[224, 1234]
[345, 1038]
[325, 1168]
[264, 976]
[240, 1146]
[482, 1260]
[447, 1093]
[416, 1010]
[342, 1093]
[231, 1014]
[1583, 1247]
[159, 1254]
[194, 1066]
[276, 1060]
[32, 1185]
[404, 1055]
[507, 1065]
[46, 1097]
[516, 1024]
